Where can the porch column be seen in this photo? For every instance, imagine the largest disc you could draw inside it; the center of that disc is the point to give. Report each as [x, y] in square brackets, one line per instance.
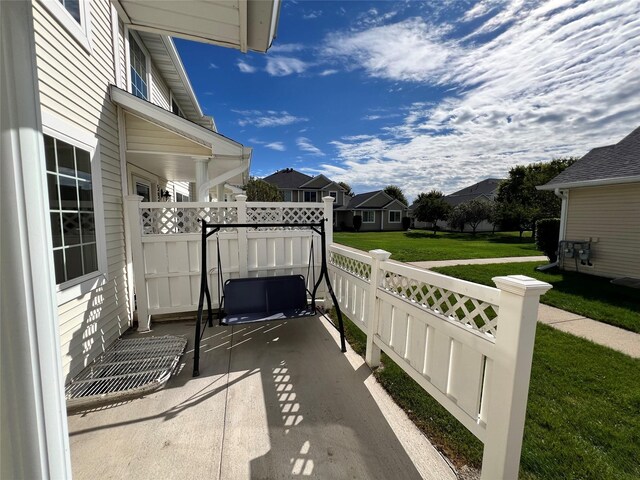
[220, 192]
[34, 435]
[202, 177]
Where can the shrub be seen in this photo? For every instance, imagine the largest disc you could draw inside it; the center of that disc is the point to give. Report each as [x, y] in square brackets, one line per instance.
[357, 222]
[406, 223]
[547, 234]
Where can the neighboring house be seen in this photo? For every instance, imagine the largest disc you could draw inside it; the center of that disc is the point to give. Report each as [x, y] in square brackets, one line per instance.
[379, 211]
[119, 117]
[601, 205]
[298, 187]
[486, 190]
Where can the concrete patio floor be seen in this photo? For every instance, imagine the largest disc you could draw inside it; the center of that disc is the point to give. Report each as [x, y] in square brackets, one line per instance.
[275, 400]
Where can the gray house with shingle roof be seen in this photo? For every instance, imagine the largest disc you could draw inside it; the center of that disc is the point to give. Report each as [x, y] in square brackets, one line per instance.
[379, 212]
[299, 187]
[601, 204]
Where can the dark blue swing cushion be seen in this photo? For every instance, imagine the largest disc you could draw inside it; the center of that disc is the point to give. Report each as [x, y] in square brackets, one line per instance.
[265, 298]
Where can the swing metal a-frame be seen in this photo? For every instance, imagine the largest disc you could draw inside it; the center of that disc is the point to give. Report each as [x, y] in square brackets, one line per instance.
[261, 299]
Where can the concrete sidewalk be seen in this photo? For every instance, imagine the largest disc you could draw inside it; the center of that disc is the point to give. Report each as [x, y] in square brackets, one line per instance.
[477, 261]
[273, 400]
[598, 332]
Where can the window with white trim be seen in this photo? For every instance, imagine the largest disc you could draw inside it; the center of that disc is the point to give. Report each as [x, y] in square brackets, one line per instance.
[394, 216]
[368, 216]
[181, 198]
[72, 211]
[74, 16]
[138, 69]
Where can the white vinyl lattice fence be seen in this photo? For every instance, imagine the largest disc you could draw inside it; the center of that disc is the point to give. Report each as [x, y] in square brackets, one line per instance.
[165, 242]
[469, 346]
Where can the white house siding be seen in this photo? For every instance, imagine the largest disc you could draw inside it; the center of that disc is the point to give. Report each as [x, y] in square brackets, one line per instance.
[159, 90]
[610, 214]
[122, 56]
[73, 86]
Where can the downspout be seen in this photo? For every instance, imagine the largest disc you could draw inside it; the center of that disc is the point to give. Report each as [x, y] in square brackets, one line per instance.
[564, 196]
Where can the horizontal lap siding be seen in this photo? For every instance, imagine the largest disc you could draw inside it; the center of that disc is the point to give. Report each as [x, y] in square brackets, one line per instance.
[74, 87]
[159, 90]
[612, 215]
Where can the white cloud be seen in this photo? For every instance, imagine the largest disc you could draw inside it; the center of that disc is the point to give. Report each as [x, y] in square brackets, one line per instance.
[305, 145]
[268, 118]
[286, 48]
[213, 66]
[245, 67]
[329, 71]
[312, 14]
[283, 66]
[560, 78]
[278, 146]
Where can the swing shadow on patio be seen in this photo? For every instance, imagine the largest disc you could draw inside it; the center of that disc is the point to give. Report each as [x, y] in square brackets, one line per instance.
[273, 400]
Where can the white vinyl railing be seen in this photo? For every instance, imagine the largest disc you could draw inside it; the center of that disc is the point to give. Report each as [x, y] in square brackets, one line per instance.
[469, 346]
[164, 240]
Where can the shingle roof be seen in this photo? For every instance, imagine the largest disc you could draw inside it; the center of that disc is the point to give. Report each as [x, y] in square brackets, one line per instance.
[485, 189]
[287, 178]
[618, 161]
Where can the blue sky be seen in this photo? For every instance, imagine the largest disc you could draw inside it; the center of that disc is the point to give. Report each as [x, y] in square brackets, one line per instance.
[426, 95]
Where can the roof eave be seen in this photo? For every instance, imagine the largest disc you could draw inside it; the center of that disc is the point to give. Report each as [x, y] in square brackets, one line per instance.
[590, 183]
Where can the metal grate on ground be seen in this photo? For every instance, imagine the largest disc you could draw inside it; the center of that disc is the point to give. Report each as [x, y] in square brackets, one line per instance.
[129, 368]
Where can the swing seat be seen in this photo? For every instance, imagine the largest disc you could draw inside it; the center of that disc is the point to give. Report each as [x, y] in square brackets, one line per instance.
[264, 299]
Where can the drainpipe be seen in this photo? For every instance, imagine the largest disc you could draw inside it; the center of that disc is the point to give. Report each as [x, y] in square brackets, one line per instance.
[202, 177]
[564, 195]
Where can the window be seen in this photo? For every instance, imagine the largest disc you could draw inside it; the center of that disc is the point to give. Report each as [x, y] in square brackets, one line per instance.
[394, 216]
[138, 69]
[334, 195]
[71, 206]
[310, 196]
[144, 190]
[287, 195]
[176, 109]
[368, 216]
[181, 198]
[74, 16]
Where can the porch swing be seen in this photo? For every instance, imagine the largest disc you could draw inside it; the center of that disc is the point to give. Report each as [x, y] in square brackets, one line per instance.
[261, 299]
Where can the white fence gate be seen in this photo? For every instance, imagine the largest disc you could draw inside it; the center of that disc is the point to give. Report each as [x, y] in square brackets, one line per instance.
[469, 346]
[165, 244]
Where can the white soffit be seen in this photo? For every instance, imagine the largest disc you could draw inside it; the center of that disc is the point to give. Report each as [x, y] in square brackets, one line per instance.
[221, 146]
[242, 24]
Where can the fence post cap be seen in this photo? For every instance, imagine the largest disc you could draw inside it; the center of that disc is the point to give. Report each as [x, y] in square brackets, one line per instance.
[241, 197]
[133, 198]
[379, 254]
[521, 285]
[328, 199]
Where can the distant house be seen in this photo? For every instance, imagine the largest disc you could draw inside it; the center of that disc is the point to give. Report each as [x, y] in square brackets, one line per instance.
[379, 211]
[486, 190]
[601, 204]
[299, 187]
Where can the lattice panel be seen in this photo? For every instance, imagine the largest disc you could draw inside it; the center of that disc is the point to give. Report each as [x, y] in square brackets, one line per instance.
[165, 221]
[350, 265]
[473, 313]
[284, 215]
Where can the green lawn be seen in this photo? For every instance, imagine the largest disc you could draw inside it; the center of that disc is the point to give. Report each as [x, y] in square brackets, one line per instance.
[583, 415]
[418, 245]
[593, 297]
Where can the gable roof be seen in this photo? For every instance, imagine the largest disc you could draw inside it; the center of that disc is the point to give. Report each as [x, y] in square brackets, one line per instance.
[319, 182]
[369, 200]
[619, 163]
[484, 190]
[287, 179]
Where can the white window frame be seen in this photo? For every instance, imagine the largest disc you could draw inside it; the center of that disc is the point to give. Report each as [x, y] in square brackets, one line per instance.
[334, 194]
[80, 31]
[373, 212]
[147, 59]
[62, 130]
[399, 212]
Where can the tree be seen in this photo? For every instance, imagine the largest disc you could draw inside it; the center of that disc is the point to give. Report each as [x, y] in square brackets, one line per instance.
[396, 192]
[520, 190]
[458, 217]
[431, 207]
[346, 187]
[260, 191]
[476, 212]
